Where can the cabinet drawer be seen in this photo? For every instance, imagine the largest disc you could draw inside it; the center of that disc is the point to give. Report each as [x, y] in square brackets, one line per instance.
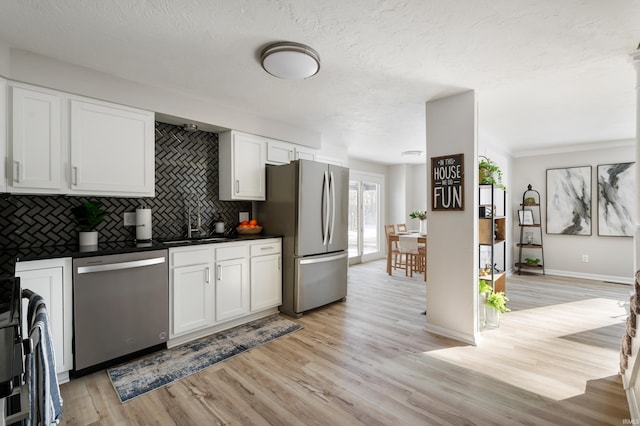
[265, 248]
[189, 257]
[231, 252]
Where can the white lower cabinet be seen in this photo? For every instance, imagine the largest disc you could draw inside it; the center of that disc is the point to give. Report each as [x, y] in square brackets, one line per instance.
[212, 286]
[52, 279]
[266, 274]
[192, 294]
[232, 289]
[191, 288]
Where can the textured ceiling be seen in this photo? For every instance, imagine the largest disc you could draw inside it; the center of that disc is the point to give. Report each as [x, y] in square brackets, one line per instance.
[546, 73]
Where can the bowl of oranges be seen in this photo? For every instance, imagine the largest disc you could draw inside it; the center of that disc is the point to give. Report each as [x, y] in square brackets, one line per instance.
[249, 227]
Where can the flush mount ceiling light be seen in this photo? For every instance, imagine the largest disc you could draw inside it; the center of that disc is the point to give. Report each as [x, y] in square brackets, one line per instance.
[289, 60]
[411, 153]
[189, 127]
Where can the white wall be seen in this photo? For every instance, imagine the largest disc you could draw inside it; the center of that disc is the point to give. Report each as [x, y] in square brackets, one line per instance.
[4, 59]
[416, 192]
[452, 261]
[48, 72]
[397, 194]
[610, 258]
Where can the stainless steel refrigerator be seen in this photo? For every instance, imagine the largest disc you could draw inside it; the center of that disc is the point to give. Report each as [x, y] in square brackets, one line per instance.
[308, 204]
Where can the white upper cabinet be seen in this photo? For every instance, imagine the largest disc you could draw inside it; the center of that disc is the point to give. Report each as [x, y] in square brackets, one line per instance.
[35, 148]
[65, 144]
[242, 166]
[112, 149]
[303, 153]
[3, 134]
[279, 152]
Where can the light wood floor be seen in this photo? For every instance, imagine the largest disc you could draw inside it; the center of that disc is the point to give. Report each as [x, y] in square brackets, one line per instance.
[554, 361]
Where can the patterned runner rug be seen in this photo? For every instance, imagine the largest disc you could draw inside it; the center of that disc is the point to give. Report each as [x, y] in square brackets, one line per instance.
[158, 369]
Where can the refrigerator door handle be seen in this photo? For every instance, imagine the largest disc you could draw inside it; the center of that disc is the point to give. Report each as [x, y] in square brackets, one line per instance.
[332, 186]
[325, 188]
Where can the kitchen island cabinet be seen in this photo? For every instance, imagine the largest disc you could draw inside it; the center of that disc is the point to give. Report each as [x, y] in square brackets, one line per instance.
[52, 279]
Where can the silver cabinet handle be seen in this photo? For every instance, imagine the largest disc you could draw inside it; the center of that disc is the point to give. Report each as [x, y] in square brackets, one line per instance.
[219, 273]
[279, 263]
[16, 171]
[237, 186]
[267, 248]
[121, 265]
[75, 175]
[208, 275]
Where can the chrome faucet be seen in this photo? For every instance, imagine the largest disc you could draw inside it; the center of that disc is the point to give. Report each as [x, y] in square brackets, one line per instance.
[190, 208]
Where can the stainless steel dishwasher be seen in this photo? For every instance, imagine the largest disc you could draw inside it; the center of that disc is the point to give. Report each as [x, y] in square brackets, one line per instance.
[120, 305]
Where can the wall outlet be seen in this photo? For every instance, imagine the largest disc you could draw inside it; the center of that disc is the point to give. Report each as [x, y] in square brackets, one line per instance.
[243, 216]
[130, 219]
[585, 258]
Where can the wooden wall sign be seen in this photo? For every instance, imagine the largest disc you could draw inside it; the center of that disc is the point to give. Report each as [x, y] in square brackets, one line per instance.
[447, 182]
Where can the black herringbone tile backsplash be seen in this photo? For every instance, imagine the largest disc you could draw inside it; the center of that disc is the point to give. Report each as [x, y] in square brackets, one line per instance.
[186, 163]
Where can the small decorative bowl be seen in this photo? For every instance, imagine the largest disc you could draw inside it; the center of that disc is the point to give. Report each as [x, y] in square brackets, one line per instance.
[249, 231]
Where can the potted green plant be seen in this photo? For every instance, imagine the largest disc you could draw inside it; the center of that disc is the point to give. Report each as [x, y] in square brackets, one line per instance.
[484, 289]
[532, 262]
[497, 303]
[89, 215]
[421, 215]
[489, 173]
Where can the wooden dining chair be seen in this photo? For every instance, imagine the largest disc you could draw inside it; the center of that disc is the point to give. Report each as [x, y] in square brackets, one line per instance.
[408, 248]
[402, 227]
[396, 263]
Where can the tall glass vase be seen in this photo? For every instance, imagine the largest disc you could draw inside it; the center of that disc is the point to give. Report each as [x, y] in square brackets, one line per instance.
[423, 227]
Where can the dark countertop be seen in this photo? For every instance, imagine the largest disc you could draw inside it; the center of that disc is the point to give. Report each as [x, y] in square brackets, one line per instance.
[9, 257]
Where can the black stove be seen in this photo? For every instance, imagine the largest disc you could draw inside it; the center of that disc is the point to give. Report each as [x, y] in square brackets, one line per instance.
[11, 366]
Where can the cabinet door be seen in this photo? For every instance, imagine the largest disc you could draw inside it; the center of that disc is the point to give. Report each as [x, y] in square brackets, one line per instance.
[112, 150]
[191, 298]
[232, 289]
[305, 154]
[3, 133]
[279, 152]
[249, 167]
[35, 148]
[266, 282]
[48, 283]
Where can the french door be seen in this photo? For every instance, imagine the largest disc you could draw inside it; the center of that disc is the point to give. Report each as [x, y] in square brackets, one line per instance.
[365, 207]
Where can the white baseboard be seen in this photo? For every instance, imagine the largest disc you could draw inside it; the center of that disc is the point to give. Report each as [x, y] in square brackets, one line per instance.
[472, 339]
[571, 274]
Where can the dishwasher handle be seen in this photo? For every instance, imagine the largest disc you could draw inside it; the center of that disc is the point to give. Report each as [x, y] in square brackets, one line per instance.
[120, 265]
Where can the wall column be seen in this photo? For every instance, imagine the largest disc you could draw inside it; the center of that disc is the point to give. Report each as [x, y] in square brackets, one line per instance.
[630, 376]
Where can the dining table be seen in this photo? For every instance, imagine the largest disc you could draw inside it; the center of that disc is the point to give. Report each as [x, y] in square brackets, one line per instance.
[422, 239]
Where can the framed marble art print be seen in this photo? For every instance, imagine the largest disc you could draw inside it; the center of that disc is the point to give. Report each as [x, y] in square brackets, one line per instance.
[569, 201]
[616, 199]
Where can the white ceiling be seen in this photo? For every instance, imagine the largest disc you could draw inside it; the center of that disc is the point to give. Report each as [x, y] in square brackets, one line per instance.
[546, 72]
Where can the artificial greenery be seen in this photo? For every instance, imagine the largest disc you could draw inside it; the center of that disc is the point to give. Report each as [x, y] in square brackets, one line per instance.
[418, 214]
[498, 301]
[89, 214]
[489, 173]
[532, 261]
[484, 287]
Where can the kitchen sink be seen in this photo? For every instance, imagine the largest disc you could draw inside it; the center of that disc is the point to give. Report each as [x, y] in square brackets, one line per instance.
[195, 240]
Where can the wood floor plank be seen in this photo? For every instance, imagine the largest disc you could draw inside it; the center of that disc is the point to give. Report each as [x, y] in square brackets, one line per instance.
[369, 361]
